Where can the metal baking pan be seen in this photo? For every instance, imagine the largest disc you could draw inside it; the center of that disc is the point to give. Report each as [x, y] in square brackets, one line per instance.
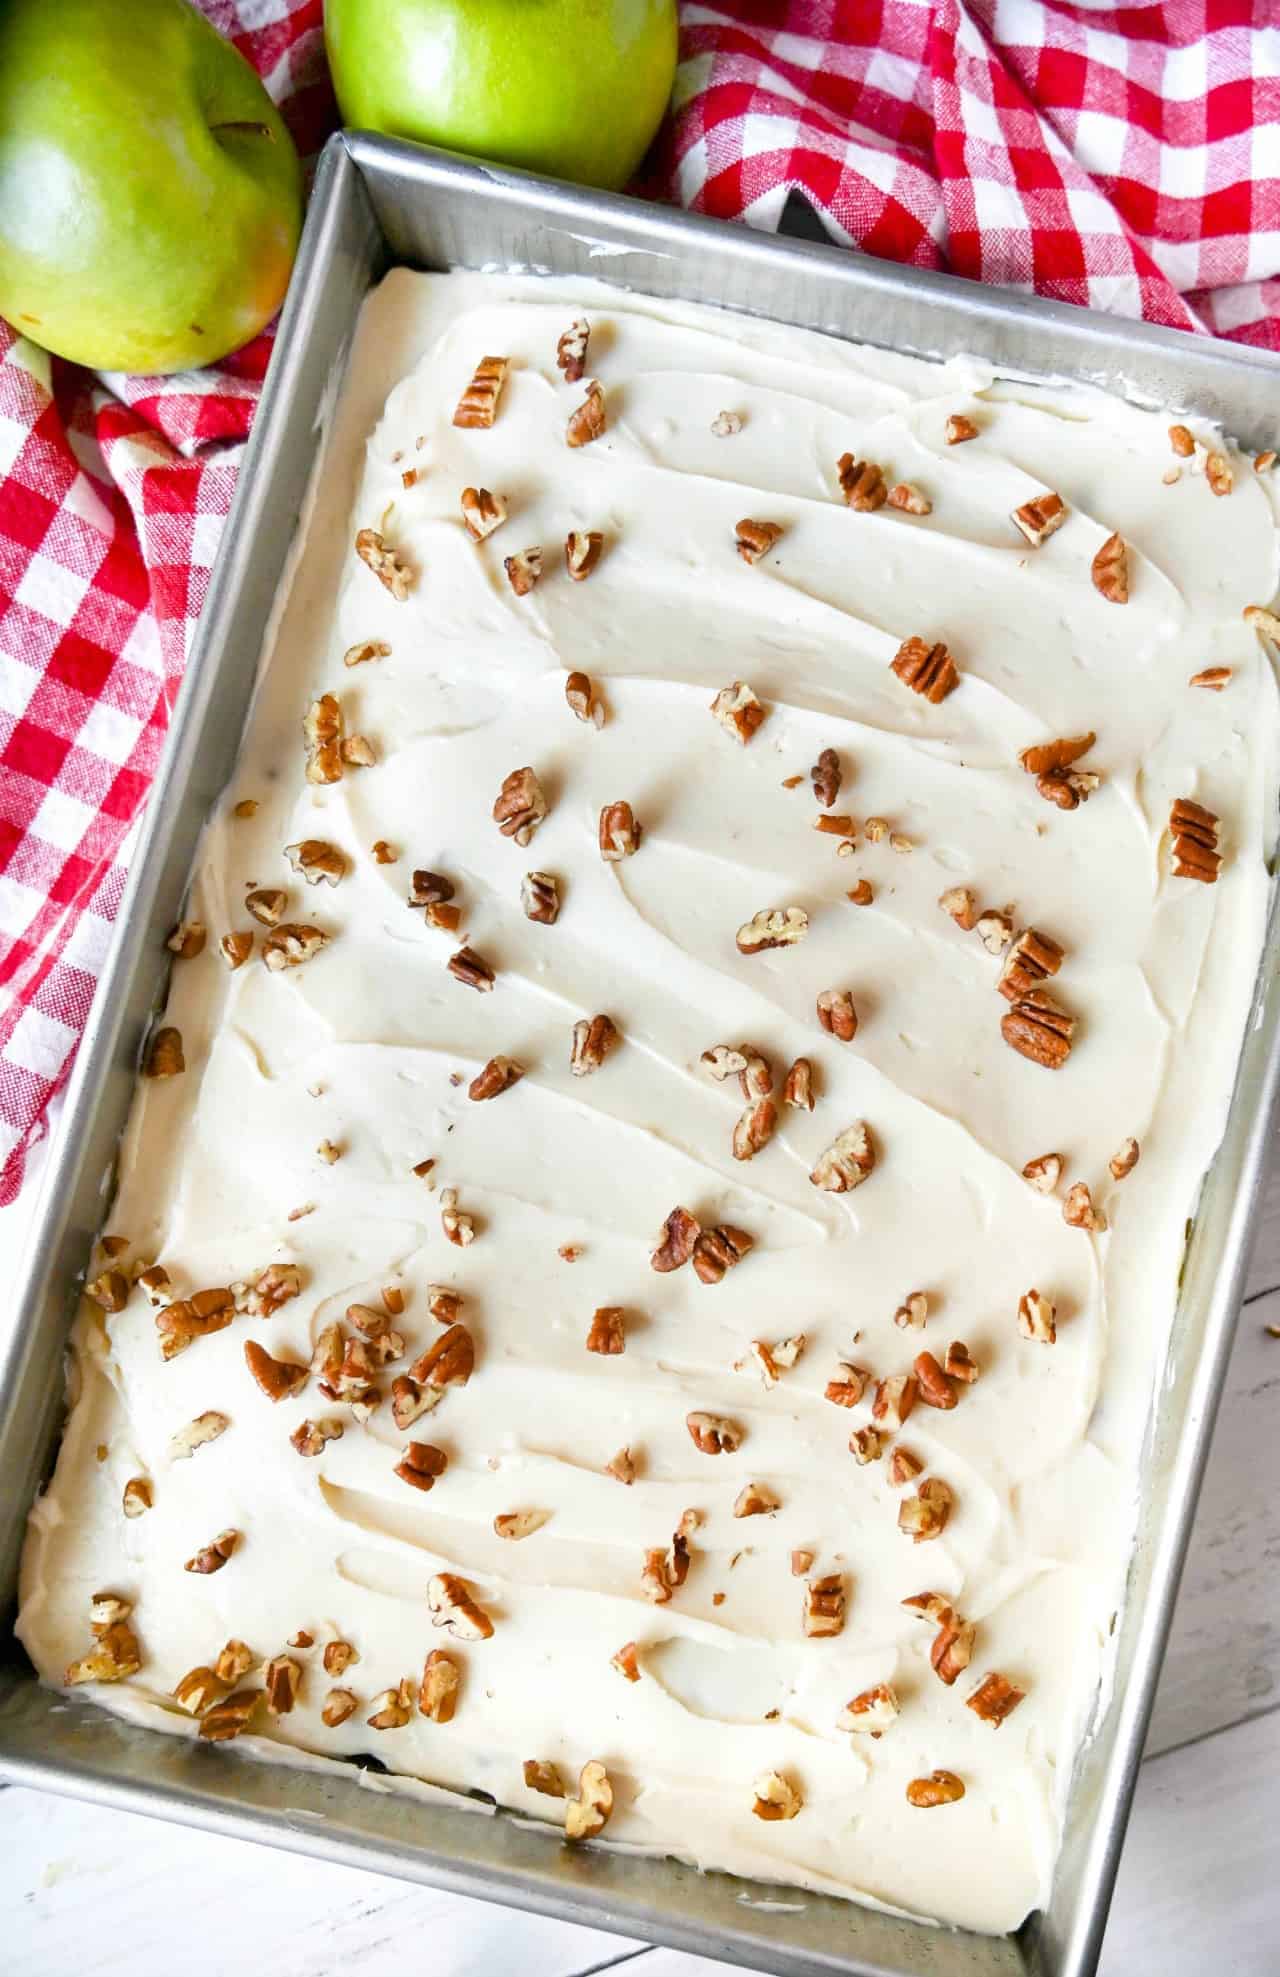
[377, 203]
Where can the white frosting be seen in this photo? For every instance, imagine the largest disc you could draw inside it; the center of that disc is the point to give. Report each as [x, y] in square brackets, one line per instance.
[362, 1046]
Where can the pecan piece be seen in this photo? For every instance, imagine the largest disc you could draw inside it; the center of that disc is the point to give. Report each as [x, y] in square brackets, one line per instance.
[478, 404]
[110, 1290]
[924, 1515]
[542, 1777]
[1213, 678]
[582, 551]
[540, 898]
[282, 1678]
[316, 860]
[847, 1162]
[198, 1690]
[621, 1467]
[588, 1814]
[1050, 758]
[1195, 841]
[961, 904]
[1037, 520]
[837, 1015]
[571, 356]
[756, 539]
[523, 569]
[262, 1296]
[520, 805]
[205, 1428]
[309, 1437]
[279, 1379]
[871, 1713]
[137, 1497]
[826, 777]
[680, 1232]
[755, 1500]
[775, 1797]
[394, 575]
[726, 425]
[927, 669]
[228, 1718]
[482, 512]
[719, 1249]
[1110, 570]
[904, 1467]
[797, 1089]
[952, 1649]
[913, 1313]
[459, 1228]
[895, 1397]
[1037, 1317]
[164, 1058]
[589, 421]
[713, 1434]
[516, 1524]
[861, 483]
[1217, 471]
[932, 1384]
[866, 1445]
[754, 1129]
[939, 1788]
[367, 649]
[430, 889]
[1125, 1161]
[214, 1556]
[863, 893]
[824, 1607]
[593, 1038]
[1038, 1028]
[451, 1605]
[289, 945]
[800, 1563]
[421, 1465]
[960, 1363]
[1182, 442]
[114, 1656]
[1079, 1212]
[995, 931]
[909, 499]
[467, 967]
[448, 1361]
[626, 1662]
[773, 926]
[583, 700]
[619, 833]
[191, 1318]
[266, 905]
[995, 1698]
[338, 1705]
[959, 428]
[1032, 959]
[188, 939]
[1044, 1172]
[607, 1333]
[848, 1387]
[392, 1708]
[235, 949]
[498, 1075]
[1265, 623]
[738, 711]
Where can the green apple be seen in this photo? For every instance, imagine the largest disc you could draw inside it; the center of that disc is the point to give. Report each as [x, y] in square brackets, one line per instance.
[573, 88]
[150, 195]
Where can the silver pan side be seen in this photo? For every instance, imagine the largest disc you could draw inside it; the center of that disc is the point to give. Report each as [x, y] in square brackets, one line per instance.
[376, 203]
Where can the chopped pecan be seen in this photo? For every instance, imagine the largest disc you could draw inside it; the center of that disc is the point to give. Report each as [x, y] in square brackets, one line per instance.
[540, 898]
[338, 1657]
[482, 512]
[469, 968]
[1032, 959]
[775, 1797]
[847, 1162]
[451, 1605]
[1265, 623]
[498, 1075]
[318, 862]
[713, 1434]
[1125, 1161]
[756, 539]
[589, 420]
[235, 949]
[392, 1708]
[593, 1038]
[619, 833]
[754, 1129]
[1078, 1209]
[430, 889]
[1044, 1172]
[448, 1361]
[848, 1387]
[235, 1660]
[338, 1705]
[1038, 519]
[913, 1313]
[863, 893]
[289, 945]
[871, 1713]
[927, 669]
[959, 428]
[520, 805]
[1110, 570]
[1050, 758]
[952, 1649]
[861, 483]
[1038, 1028]
[824, 1607]
[394, 575]
[164, 1058]
[368, 648]
[743, 1062]
[309, 1437]
[1069, 790]
[106, 1610]
[114, 1656]
[904, 1467]
[322, 729]
[459, 1228]
[962, 905]
[607, 1333]
[266, 905]
[738, 711]
[191, 1318]
[542, 1777]
[894, 1399]
[939, 1788]
[626, 1662]
[571, 351]
[866, 1444]
[188, 939]
[245, 808]
[110, 1290]
[517, 1524]
[1037, 1317]
[755, 1500]
[478, 404]
[582, 551]
[198, 1690]
[1214, 678]
[1195, 841]
[726, 425]
[205, 1428]
[228, 1718]
[909, 499]
[960, 1363]
[279, 1379]
[523, 569]
[773, 926]
[924, 1515]
[680, 1232]
[826, 777]
[719, 1249]
[262, 1296]
[800, 1563]
[137, 1498]
[1182, 442]
[422, 1465]
[837, 1015]
[155, 1282]
[409, 1401]
[994, 930]
[797, 1089]
[588, 1814]
[1263, 462]
[995, 1698]
[282, 1677]
[1217, 471]
[583, 700]
[214, 1556]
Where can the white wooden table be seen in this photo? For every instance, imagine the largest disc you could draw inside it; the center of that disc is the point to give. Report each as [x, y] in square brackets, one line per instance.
[94, 1892]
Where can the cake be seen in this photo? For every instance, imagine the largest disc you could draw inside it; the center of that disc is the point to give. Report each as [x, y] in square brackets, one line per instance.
[650, 1224]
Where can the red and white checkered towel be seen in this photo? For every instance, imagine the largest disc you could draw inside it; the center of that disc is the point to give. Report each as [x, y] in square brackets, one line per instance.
[1127, 158]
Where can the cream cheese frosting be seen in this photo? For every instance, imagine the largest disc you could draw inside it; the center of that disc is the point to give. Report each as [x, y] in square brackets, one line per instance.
[368, 1048]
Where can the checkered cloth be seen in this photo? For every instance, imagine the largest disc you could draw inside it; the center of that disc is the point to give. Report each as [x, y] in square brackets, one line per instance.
[1126, 158]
